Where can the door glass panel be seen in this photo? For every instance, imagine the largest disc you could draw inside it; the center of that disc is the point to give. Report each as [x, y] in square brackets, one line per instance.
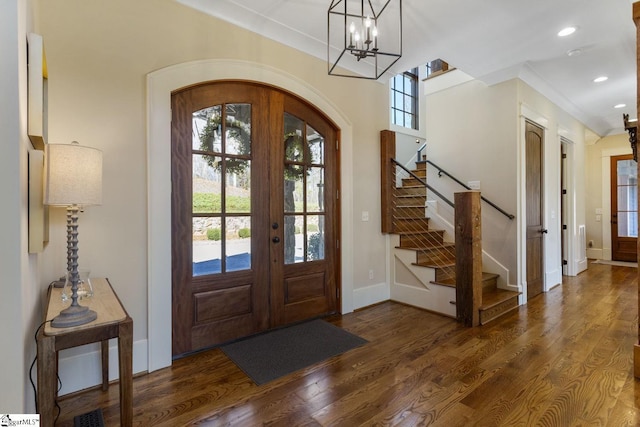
[293, 129]
[627, 214]
[315, 141]
[293, 239]
[315, 237]
[315, 189]
[207, 245]
[221, 189]
[206, 184]
[238, 186]
[238, 129]
[304, 195]
[293, 188]
[206, 126]
[238, 243]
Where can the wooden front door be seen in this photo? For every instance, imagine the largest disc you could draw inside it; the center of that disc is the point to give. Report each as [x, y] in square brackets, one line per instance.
[624, 208]
[254, 179]
[534, 139]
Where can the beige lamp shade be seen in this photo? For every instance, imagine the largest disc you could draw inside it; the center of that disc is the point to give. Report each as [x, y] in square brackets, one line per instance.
[73, 175]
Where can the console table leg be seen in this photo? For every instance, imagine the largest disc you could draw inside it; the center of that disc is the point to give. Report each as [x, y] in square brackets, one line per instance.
[47, 374]
[125, 362]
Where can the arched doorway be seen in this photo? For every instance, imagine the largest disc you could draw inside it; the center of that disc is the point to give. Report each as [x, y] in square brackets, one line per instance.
[254, 212]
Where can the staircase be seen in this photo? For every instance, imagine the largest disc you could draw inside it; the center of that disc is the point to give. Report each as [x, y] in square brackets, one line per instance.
[408, 200]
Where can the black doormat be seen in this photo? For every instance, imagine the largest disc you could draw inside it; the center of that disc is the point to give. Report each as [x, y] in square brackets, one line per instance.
[274, 354]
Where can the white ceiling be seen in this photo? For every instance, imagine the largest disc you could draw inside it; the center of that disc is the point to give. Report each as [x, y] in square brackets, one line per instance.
[491, 40]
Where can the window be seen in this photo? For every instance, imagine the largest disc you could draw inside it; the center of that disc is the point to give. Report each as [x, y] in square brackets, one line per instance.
[404, 99]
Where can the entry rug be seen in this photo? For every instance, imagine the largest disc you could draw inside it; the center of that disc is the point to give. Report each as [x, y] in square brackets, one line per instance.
[277, 353]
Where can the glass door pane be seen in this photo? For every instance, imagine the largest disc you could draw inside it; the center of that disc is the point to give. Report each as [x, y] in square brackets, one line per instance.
[627, 198]
[221, 183]
[303, 192]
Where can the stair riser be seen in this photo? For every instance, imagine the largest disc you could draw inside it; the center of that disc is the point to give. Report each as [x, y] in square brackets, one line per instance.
[408, 211]
[435, 257]
[411, 224]
[445, 272]
[410, 191]
[412, 200]
[412, 182]
[425, 240]
[498, 310]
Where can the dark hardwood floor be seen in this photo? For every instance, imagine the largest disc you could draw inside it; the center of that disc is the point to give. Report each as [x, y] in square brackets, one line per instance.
[563, 359]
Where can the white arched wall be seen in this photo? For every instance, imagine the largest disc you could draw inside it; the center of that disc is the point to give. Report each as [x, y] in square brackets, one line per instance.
[160, 84]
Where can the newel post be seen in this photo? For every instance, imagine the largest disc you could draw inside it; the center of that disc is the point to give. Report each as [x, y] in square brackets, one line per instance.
[387, 152]
[468, 230]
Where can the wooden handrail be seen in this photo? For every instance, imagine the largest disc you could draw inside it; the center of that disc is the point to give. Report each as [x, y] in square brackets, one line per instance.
[423, 182]
[489, 202]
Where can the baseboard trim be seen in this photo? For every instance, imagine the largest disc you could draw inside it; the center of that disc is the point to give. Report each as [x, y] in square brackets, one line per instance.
[370, 295]
[83, 371]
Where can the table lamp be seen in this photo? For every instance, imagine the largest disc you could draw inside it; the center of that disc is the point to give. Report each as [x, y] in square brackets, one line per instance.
[73, 179]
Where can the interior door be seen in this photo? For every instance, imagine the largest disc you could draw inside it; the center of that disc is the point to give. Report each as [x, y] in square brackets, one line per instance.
[624, 208]
[534, 139]
[254, 231]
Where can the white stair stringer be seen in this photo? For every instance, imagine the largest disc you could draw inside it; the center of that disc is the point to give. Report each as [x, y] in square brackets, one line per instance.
[410, 284]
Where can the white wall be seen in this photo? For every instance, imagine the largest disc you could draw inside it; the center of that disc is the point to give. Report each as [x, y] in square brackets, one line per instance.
[472, 134]
[559, 124]
[97, 96]
[20, 305]
[475, 132]
[598, 158]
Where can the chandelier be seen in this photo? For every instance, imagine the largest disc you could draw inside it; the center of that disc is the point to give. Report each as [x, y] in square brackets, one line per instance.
[364, 37]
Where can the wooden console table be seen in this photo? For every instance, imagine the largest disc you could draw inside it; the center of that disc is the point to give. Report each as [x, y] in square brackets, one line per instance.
[112, 322]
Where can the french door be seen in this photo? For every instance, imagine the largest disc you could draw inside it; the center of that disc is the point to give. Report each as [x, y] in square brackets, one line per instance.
[624, 208]
[254, 209]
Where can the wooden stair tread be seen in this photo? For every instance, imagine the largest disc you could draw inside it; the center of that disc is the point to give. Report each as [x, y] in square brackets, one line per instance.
[452, 281]
[495, 296]
[418, 232]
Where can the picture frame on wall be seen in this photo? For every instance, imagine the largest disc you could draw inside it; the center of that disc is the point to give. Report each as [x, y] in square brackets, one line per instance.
[37, 81]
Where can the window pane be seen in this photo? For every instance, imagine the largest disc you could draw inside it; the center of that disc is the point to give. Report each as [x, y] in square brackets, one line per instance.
[238, 186]
[398, 99]
[399, 117]
[207, 245]
[627, 172]
[315, 237]
[293, 239]
[293, 130]
[206, 184]
[238, 243]
[408, 120]
[293, 188]
[315, 190]
[315, 142]
[206, 129]
[238, 129]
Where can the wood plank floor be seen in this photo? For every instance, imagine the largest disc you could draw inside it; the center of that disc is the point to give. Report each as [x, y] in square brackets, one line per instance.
[563, 359]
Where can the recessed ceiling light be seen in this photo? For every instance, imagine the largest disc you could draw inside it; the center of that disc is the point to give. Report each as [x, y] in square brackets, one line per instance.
[600, 79]
[566, 31]
[619, 105]
[574, 52]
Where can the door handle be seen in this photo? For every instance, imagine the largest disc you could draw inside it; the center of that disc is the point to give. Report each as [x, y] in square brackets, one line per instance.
[276, 239]
[544, 231]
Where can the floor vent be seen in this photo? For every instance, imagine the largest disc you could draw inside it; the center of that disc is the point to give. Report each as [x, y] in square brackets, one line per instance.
[90, 419]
